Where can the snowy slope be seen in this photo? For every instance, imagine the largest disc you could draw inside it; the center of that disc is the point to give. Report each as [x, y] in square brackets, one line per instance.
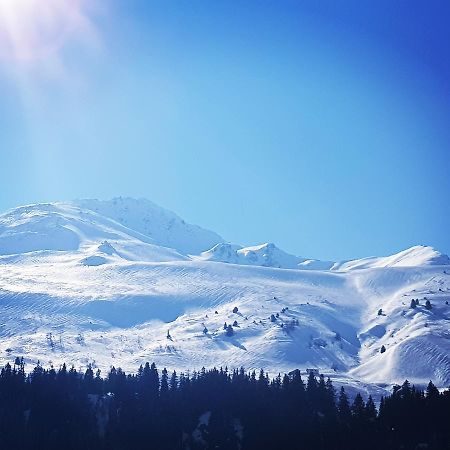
[417, 340]
[80, 286]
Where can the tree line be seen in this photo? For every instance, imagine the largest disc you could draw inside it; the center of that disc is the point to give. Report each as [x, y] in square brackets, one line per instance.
[210, 409]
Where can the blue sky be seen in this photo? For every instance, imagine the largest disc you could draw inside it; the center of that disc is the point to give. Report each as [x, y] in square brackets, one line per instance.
[322, 126]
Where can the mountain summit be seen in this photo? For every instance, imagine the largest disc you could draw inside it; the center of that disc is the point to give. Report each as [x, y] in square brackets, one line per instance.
[164, 227]
[267, 255]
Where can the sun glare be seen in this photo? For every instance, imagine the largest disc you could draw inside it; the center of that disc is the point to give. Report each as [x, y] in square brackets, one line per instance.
[33, 29]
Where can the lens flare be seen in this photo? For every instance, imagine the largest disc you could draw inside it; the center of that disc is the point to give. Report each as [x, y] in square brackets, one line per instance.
[33, 29]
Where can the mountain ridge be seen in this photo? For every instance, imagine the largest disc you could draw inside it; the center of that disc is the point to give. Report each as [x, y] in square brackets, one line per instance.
[83, 288]
[62, 226]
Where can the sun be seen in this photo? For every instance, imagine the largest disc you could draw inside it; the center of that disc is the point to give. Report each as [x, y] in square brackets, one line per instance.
[32, 29]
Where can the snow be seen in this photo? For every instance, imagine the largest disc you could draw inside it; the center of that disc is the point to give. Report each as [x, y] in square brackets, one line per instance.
[79, 285]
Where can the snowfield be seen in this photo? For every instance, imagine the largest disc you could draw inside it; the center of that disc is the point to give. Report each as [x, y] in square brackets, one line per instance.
[125, 281]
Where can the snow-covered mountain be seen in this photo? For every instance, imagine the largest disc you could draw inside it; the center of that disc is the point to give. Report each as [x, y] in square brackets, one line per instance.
[102, 283]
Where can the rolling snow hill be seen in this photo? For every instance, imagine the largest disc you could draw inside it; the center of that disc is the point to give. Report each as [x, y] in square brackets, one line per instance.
[123, 282]
[414, 256]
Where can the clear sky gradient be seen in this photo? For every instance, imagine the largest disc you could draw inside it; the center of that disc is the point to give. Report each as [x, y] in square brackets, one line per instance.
[321, 125]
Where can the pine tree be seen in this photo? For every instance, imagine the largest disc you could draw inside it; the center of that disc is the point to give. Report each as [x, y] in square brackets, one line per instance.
[370, 409]
[88, 380]
[331, 394]
[297, 382]
[164, 388]
[321, 393]
[149, 383]
[344, 412]
[311, 389]
[311, 383]
[358, 407]
[263, 379]
[285, 384]
[173, 384]
[405, 390]
[432, 392]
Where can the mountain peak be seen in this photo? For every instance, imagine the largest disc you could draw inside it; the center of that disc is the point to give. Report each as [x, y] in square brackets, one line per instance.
[162, 225]
[266, 255]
